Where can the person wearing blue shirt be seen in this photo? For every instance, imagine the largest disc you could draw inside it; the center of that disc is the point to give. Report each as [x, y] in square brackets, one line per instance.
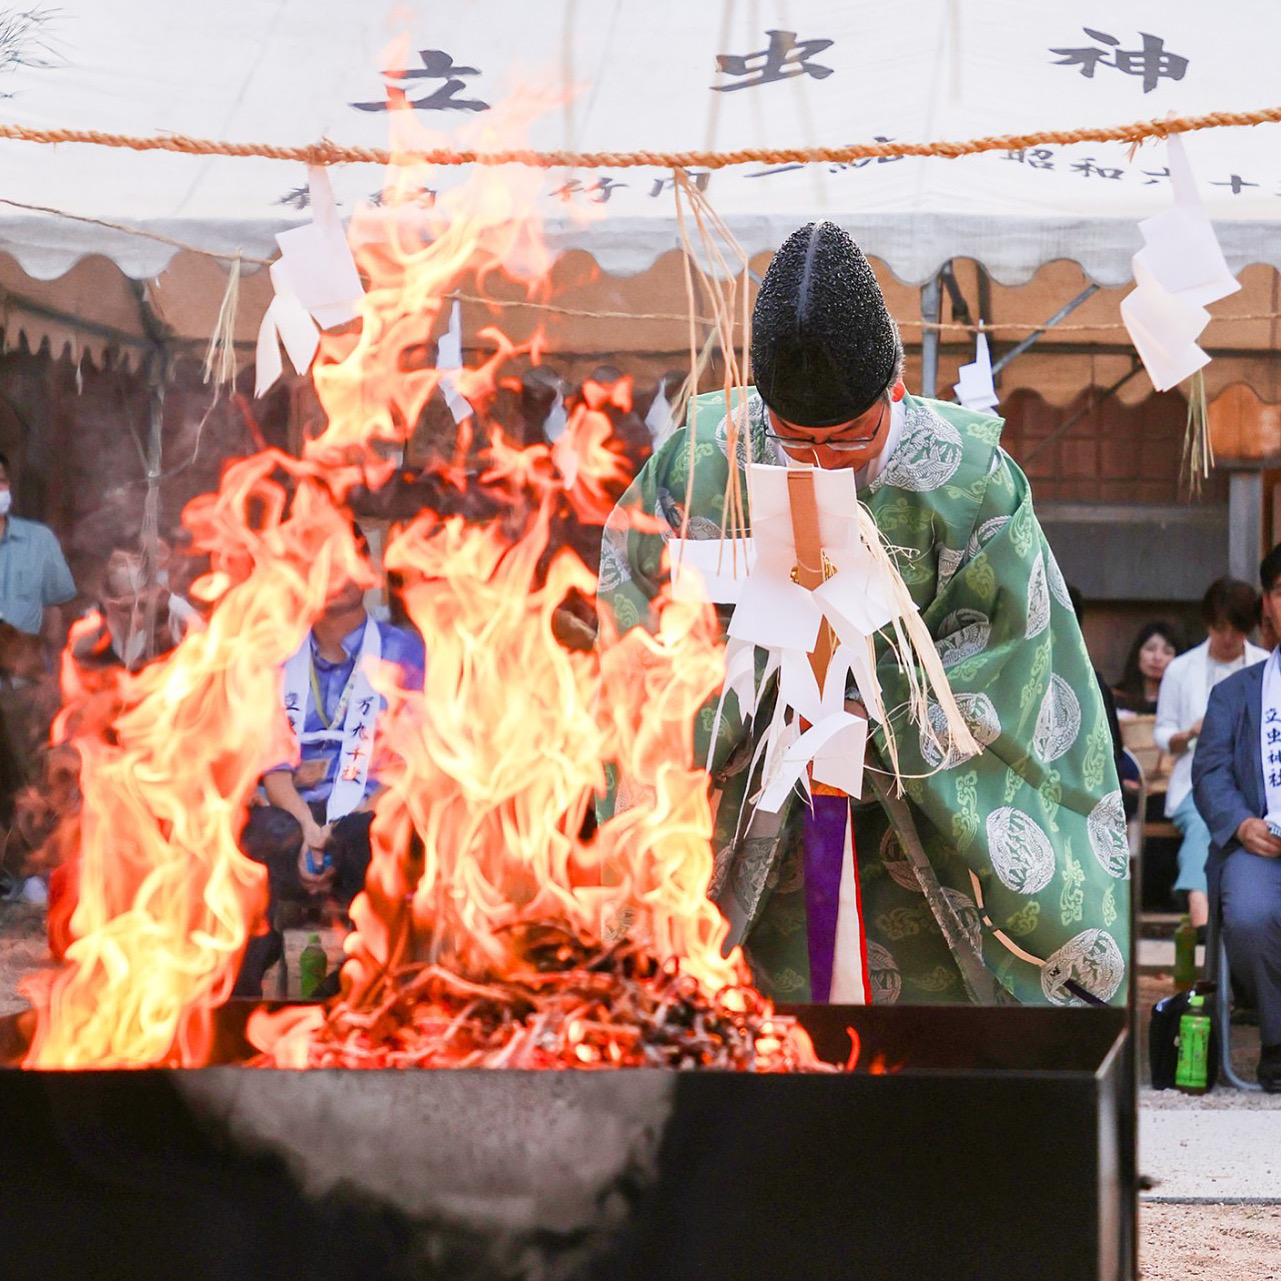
[34, 578]
[34, 582]
[313, 833]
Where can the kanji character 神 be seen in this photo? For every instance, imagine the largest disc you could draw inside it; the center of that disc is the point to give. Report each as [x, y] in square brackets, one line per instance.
[1152, 62]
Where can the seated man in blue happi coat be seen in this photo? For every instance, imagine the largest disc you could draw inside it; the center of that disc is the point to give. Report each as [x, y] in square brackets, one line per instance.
[313, 833]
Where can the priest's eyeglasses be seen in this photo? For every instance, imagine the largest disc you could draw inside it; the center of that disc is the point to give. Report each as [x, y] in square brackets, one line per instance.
[847, 445]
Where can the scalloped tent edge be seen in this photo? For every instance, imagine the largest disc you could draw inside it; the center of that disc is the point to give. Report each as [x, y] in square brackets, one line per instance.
[95, 312]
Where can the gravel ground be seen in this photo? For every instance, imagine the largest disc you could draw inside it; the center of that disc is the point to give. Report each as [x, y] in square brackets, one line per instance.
[23, 951]
[1218, 1242]
[1177, 1241]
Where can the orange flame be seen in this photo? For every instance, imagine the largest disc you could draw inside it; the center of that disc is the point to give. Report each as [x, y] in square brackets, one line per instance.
[498, 810]
[490, 768]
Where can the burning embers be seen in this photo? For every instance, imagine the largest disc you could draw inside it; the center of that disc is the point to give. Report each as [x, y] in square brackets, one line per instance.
[570, 1006]
[492, 930]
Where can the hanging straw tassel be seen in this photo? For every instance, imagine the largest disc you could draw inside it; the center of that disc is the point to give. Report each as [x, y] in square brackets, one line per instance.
[918, 659]
[1198, 451]
[725, 289]
[220, 359]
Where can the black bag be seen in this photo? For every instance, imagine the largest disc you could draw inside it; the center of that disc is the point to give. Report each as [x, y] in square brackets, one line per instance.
[1163, 1042]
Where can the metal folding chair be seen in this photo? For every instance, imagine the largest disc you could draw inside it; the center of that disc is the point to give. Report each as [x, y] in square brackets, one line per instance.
[1134, 825]
[1217, 972]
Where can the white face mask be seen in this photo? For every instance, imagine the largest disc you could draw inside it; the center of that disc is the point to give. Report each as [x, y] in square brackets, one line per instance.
[6, 501]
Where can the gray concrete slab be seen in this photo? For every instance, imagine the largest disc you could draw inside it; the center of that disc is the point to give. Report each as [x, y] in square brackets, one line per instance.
[1158, 954]
[1219, 1154]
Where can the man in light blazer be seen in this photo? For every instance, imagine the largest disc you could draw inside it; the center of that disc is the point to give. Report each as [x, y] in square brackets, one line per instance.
[1236, 778]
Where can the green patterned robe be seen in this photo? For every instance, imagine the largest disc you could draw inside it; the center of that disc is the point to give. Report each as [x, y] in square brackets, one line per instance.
[1037, 816]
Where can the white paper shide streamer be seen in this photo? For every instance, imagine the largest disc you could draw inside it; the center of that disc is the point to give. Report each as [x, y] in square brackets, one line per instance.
[449, 357]
[811, 733]
[1179, 270]
[975, 388]
[659, 418]
[317, 286]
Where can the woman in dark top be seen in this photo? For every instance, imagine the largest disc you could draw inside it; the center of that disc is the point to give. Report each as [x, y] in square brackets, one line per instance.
[1155, 645]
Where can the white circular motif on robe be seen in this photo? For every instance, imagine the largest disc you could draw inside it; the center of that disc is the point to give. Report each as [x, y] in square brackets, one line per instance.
[1058, 722]
[987, 531]
[1021, 854]
[927, 456]
[629, 794]
[977, 711]
[1038, 599]
[614, 568]
[965, 633]
[897, 863]
[949, 562]
[968, 914]
[701, 527]
[749, 411]
[1106, 826]
[883, 973]
[1058, 584]
[1091, 959]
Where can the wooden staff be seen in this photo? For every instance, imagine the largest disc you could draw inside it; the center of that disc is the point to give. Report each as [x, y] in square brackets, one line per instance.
[811, 567]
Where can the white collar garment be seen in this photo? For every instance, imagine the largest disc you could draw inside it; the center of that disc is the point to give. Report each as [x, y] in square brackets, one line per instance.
[873, 468]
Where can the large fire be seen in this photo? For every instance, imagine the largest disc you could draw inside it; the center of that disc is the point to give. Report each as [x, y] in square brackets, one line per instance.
[482, 886]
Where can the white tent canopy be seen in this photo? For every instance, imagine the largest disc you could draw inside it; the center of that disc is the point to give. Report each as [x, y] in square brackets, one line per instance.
[661, 76]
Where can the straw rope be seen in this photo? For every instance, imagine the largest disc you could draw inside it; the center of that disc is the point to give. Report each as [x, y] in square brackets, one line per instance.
[332, 153]
[236, 257]
[988, 326]
[587, 313]
[1019, 326]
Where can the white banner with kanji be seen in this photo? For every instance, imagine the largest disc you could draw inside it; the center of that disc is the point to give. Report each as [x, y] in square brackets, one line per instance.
[660, 76]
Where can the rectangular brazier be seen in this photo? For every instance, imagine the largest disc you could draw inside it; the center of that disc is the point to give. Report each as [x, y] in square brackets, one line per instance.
[999, 1143]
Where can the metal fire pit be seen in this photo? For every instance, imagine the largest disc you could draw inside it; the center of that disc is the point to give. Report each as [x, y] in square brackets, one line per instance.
[1003, 1146]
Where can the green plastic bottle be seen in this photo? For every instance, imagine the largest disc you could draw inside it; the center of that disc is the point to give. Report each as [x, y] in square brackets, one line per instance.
[1192, 1074]
[1185, 974]
[312, 967]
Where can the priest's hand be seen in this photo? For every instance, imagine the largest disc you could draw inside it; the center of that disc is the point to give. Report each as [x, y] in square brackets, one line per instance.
[1254, 835]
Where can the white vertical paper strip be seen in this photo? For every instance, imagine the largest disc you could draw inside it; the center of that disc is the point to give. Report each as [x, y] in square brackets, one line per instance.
[449, 356]
[975, 388]
[847, 954]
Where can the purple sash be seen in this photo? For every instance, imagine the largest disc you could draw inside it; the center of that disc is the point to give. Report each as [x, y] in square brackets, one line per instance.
[824, 850]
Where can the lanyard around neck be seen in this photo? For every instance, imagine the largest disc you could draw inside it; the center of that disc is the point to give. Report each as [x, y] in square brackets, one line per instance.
[340, 712]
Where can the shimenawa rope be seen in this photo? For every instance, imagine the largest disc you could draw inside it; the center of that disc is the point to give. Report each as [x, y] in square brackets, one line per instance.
[332, 153]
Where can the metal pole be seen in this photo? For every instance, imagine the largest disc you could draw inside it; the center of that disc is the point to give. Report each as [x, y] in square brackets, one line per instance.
[985, 294]
[931, 307]
[1245, 524]
[1088, 292]
[157, 370]
[150, 537]
[960, 308]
